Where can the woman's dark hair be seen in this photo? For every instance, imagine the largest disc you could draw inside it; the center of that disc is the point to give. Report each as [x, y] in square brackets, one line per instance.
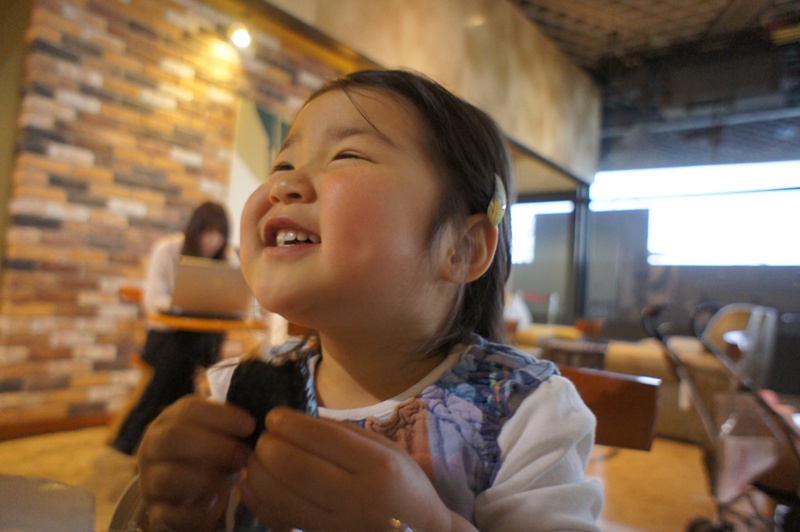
[469, 149]
[209, 216]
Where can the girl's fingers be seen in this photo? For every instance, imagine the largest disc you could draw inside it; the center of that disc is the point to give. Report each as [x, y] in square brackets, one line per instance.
[338, 442]
[189, 459]
[198, 432]
[219, 417]
[201, 516]
[184, 484]
[285, 511]
[313, 478]
[313, 472]
[280, 505]
[193, 444]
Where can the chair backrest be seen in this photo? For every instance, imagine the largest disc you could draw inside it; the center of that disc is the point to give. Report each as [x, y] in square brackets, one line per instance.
[551, 299]
[626, 406]
[31, 504]
[755, 328]
[733, 317]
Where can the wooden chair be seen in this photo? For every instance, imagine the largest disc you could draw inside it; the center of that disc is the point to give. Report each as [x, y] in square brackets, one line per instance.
[552, 300]
[626, 406]
[742, 336]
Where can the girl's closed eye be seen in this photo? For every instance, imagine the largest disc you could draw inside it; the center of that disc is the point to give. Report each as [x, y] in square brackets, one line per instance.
[354, 156]
[347, 155]
[281, 167]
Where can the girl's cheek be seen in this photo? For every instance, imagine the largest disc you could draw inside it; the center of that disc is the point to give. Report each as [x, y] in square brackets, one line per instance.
[255, 208]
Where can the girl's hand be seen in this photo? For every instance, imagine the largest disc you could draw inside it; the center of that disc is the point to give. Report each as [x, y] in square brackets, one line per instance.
[189, 459]
[321, 474]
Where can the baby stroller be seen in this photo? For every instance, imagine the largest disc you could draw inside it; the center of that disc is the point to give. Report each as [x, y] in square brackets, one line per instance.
[752, 451]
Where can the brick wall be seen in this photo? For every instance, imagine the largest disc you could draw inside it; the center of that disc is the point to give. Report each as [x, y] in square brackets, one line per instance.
[126, 124]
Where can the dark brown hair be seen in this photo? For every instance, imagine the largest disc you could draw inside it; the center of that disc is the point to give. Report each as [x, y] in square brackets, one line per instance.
[469, 149]
[209, 216]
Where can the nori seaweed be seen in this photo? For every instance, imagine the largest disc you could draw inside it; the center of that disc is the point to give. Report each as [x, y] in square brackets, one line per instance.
[258, 387]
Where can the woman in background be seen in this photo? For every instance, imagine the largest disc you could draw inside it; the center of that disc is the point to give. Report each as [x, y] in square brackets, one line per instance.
[175, 355]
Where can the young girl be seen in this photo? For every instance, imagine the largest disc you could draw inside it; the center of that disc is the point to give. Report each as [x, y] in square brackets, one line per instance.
[381, 227]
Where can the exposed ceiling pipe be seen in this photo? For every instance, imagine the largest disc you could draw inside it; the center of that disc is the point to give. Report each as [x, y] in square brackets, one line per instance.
[736, 15]
[703, 122]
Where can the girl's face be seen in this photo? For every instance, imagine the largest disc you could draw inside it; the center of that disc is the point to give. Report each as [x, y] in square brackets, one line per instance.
[339, 233]
[211, 242]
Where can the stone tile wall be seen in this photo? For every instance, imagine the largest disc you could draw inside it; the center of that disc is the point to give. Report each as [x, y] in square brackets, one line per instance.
[126, 124]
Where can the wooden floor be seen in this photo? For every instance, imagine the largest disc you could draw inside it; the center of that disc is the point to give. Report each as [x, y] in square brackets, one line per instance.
[654, 491]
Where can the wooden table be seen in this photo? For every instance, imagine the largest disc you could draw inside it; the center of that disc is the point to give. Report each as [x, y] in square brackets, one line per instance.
[576, 353]
[182, 323]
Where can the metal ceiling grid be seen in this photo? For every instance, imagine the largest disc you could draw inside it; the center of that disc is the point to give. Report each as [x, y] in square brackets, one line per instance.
[775, 140]
[589, 31]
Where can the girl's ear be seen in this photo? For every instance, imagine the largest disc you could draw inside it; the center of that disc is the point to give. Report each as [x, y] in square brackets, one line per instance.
[473, 250]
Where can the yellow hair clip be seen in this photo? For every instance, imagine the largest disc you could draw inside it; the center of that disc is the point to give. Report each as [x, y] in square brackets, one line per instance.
[497, 207]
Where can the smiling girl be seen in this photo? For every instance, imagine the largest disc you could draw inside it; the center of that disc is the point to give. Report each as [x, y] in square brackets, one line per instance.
[382, 228]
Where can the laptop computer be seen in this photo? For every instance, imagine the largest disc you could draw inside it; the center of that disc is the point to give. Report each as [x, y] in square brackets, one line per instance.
[208, 288]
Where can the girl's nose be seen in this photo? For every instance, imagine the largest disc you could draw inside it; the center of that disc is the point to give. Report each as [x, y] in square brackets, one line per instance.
[292, 187]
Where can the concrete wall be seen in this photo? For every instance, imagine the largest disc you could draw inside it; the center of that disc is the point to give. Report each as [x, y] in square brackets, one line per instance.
[487, 52]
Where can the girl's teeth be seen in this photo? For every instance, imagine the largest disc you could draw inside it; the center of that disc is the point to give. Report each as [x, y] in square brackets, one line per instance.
[287, 236]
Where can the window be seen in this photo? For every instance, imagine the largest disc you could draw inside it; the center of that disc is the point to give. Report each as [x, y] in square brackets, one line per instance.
[523, 226]
[711, 215]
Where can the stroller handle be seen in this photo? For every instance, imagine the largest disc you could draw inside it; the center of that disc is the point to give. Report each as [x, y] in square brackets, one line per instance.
[650, 315]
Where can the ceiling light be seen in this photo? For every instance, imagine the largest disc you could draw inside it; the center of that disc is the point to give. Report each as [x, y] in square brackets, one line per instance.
[239, 35]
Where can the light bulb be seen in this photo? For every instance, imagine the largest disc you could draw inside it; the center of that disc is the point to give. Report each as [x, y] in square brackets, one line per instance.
[239, 35]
